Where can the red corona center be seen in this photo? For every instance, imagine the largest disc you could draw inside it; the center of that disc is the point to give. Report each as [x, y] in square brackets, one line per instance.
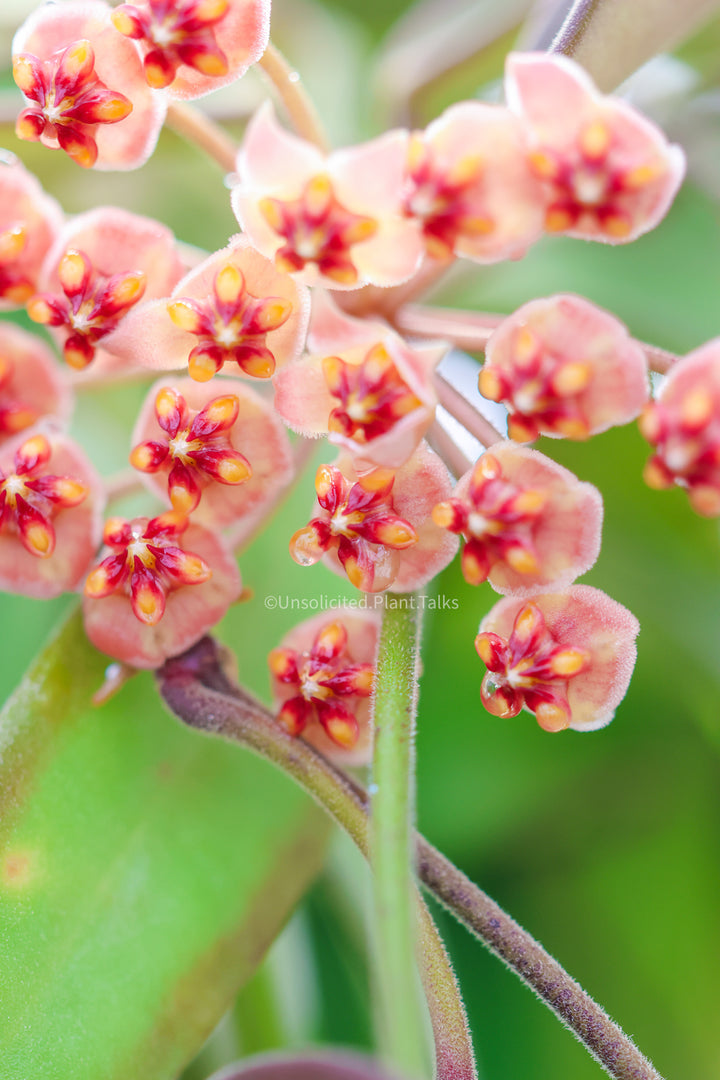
[91, 307]
[317, 229]
[14, 415]
[358, 521]
[587, 182]
[197, 451]
[30, 499]
[438, 198]
[148, 563]
[373, 395]
[231, 326]
[540, 390]
[175, 32]
[321, 676]
[496, 520]
[69, 100]
[686, 436]
[530, 671]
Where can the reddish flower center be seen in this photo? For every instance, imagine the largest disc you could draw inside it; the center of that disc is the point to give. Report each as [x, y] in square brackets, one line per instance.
[530, 670]
[687, 447]
[148, 564]
[542, 390]
[69, 100]
[232, 326]
[14, 415]
[92, 305]
[497, 520]
[175, 32]
[30, 499]
[317, 229]
[439, 198]
[373, 394]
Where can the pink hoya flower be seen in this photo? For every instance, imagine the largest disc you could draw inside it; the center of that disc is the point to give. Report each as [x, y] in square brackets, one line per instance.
[163, 585]
[51, 502]
[85, 87]
[32, 385]
[234, 308]
[683, 425]
[376, 527]
[567, 657]
[29, 222]
[103, 263]
[195, 46]
[564, 368]
[323, 675]
[609, 173]
[216, 449]
[471, 187]
[362, 384]
[337, 220]
[528, 523]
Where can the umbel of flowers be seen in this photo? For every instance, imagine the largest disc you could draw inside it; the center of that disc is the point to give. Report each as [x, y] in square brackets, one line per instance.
[118, 296]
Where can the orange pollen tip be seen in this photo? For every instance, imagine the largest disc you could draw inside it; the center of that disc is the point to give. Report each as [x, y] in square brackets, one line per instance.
[552, 717]
[641, 176]
[595, 140]
[141, 457]
[40, 538]
[526, 622]
[618, 225]
[649, 423]
[229, 284]
[96, 584]
[222, 409]
[705, 500]
[39, 311]
[484, 649]
[377, 479]
[342, 732]
[489, 384]
[443, 515]
[148, 604]
[210, 64]
[529, 502]
[397, 533]
[657, 477]
[71, 492]
[571, 378]
[183, 315]
[569, 662]
[557, 220]
[521, 560]
[195, 569]
[123, 23]
[201, 368]
[12, 242]
[130, 289]
[37, 446]
[71, 270]
[697, 408]
[543, 164]
[232, 471]
[364, 681]
[323, 480]
[182, 500]
[572, 427]
[280, 662]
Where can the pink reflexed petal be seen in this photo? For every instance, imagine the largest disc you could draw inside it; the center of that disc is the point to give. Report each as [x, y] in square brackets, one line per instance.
[149, 335]
[302, 397]
[573, 329]
[257, 433]
[23, 202]
[272, 161]
[567, 533]
[506, 191]
[363, 628]
[553, 93]
[370, 178]
[78, 530]
[190, 612]
[125, 145]
[422, 483]
[242, 35]
[332, 331]
[36, 380]
[391, 256]
[588, 619]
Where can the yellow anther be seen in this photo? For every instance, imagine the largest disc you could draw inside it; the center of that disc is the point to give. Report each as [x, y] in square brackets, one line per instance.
[376, 479]
[571, 378]
[572, 427]
[697, 408]
[705, 500]
[543, 164]
[618, 225]
[184, 316]
[122, 22]
[40, 538]
[552, 717]
[324, 481]
[642, 175]
[521, 560]
[341, 731]
[222, 409]
[655, 476]
[569, 662]
[71, 492]
[489, 384]
[396, 534]
[272, 211]
[595, 140]
[78, 56]
[465, 170]
[529, 502]
[318, 195]
[128, 290]
[12, 243]
[111, 110]
[443, 515]
[484, 649]
[229, 284]
[201, 367]
[272, 313]
[36, 447]
[209, 63]
[557, 219]
[71, 271]
[527, 622]
[649, 423]
[232, 471]
[417, 153]
[526, 346]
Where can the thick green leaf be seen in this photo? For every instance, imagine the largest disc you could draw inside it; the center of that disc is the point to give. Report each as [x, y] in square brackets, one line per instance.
[144, 869]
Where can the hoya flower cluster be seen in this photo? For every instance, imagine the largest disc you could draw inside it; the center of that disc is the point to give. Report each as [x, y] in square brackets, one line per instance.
[293, 303]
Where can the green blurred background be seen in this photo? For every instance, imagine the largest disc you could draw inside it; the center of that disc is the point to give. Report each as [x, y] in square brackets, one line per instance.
[605, 846]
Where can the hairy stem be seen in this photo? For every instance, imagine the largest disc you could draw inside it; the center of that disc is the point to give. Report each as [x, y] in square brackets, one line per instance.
[197, 690]
[298, 104]
[196, 127]
[397, 1007]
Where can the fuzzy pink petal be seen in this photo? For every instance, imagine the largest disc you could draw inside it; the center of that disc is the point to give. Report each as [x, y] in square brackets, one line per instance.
[129, 143]
[272, 161]
[363, 628]
[257, 433]
[391, 256]
[36, 380]
[553, 93]
[422, 483]
[370, 178]
[23, 202]
[331, 330]
[566, 536]
[190, 612]
[242, 35]
[302, 397]
[584, 618]
[78, 529]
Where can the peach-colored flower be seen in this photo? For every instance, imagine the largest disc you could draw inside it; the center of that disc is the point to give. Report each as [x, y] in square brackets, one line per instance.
[193, 47]
[234, 308]
[376, 527]
[683, 424]
[161, 587]
[333, 219]
[564, 368]
[85, 87]
[609, 173]
[528, 523]
[470, 185]
[51, 502]
[217, 449]
[566, 657]
[323, 675]
[365, 386]
[29, 222]
[32, 384]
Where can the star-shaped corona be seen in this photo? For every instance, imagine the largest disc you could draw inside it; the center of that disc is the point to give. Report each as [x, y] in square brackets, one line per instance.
[175, 32]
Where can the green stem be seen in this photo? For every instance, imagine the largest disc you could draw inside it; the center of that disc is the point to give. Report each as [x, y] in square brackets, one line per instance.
[397, 1005]
[197, 690]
